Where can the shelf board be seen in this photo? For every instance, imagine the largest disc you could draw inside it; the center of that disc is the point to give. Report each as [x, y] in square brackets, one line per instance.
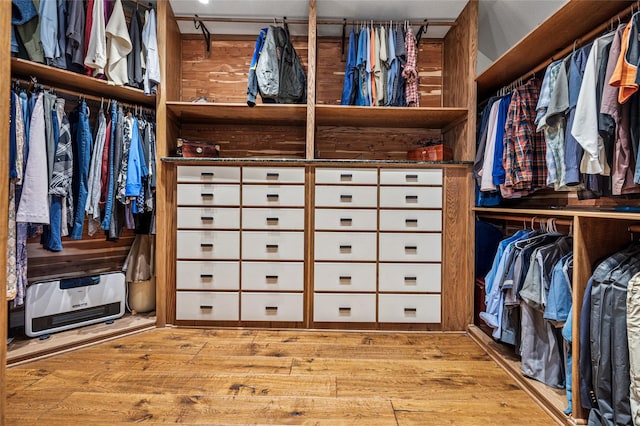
[64, 79]
[571, 22]
[565, 212]
[230, 113]
[394, 117]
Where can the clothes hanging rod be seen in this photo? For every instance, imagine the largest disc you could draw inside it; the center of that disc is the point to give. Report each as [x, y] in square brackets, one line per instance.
[579, 42]
[525, 219]
[145, 5]
[305, 21]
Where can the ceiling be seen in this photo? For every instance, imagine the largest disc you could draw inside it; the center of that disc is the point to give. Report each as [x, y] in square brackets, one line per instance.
[378, 10]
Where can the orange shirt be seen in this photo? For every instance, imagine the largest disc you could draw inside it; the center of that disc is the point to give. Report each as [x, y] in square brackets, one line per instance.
[624, 75]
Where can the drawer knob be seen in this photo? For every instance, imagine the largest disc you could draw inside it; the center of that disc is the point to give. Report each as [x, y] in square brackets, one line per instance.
[346, 177]
[344, 311]
[206, 245]
[272, 220]
[273, 175]
[345, 279]
[206, 307]
[207, 174]
[206, 276]
[207, 195]
[271, 279]
[206, 218]
[344, 248]
[273, 197]
[410, 312]
[346, 221]
[410, 280]
[411, 249]
[272, 248]
[411, 198]
[271, 310]
[411, 178]
[345, 198]
[411, 222]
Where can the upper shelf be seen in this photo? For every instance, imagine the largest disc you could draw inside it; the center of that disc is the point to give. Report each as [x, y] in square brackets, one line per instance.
[567, 212]
[571, 22]
[263, 114]
[394, 117]
[64, 79]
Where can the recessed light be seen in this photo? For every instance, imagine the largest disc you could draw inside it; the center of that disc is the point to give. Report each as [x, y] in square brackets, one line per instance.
[204, 1]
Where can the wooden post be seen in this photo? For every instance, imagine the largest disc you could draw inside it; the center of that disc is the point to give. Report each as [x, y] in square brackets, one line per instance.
[311, 82]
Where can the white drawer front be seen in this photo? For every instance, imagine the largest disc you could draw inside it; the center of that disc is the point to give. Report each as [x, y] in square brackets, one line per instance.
[208, 218]
[272, 306]
[273, 174]
[257, 218]
[344, 277]
[198, 275]
[411, 197]
[409, 308]
[410, 247]
[403, 277]
[410, 220]
[208, 174]
[207, 306]
[345, 246]
[410, 177]
[346, 220]
[257, 245]
[347, 176]
[344, 307]
[208, 194]
[208, 244]
[346, 196]
[273, 276]
[273, 195]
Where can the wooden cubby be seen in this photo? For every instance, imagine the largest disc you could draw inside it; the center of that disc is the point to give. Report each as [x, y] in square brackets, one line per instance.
[598, 229]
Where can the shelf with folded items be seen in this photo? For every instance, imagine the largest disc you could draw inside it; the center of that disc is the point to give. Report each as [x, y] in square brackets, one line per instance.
[393, 117]
[64, 79]
[237, 113]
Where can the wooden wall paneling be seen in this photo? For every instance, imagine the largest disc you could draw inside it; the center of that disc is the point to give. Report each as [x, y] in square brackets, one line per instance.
[460, 52]
[311, 81]
[5, 88]
[458, 250]
[309, 227]
[169, 48]
[331, 71]
[594, 239]
[369, 143]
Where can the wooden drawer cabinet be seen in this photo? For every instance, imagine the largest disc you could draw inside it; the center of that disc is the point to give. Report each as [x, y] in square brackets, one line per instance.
[273, 276]
[346, 196]
[422, 197]
[346, 220]
[273, 218]
[207, 275]
[273, 195]
[344, 277]
[328, 307]
[208, 244]
[273, 175]
[410, 247]
[221, 174]
[409, 308]
[411, 220]
[352, 246]
[272, 245]
[208, 218]
[272, 307]
[208, 194]
[410, 177]
[207, 306]
[346, 176]
[410, 277]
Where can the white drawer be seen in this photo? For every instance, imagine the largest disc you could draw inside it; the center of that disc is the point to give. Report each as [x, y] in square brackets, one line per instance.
[410, 247]
[273, 174]
[272, 307]
[410, 277]
[273, 195]
[273, 276]
[257, 218]
[208, 245]
[410, 177]
[208, 194]
[346, 220]
[411, 220]
[208, 218]
[344, 307]
[346, 196]
[344, 277]
[347, 176]
[411, 197]
[345, 246]
[198, 275]
[257, 245]
[413, 308]
[208, 174]
[207, 306]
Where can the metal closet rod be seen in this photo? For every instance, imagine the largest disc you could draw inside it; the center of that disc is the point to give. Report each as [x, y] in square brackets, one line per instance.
[525, 219]
[304, 21]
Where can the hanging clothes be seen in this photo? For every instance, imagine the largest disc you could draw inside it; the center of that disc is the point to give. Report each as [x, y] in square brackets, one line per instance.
[118, 46]
[151, 72]
[96, 44]
[135, 58]
[410, 71]
[350, 73]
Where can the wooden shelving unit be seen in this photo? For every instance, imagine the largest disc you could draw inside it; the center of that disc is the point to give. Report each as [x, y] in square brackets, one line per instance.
[428, 118]
[228, 113]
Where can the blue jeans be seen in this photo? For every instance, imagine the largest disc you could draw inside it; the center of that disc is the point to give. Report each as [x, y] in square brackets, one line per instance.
[81, 162]
[350, 73]
[52, 237]
[106, 221]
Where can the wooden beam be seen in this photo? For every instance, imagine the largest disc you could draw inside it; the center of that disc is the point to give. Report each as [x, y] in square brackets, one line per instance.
[311, 81]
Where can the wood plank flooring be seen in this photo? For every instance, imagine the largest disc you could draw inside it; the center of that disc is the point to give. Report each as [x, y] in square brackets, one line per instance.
[235, 376]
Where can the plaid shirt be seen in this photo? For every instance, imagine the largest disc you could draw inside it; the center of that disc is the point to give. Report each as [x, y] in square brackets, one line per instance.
[410, 72]
[524, 147]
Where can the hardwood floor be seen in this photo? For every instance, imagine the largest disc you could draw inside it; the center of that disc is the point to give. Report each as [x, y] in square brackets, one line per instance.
[224, 376]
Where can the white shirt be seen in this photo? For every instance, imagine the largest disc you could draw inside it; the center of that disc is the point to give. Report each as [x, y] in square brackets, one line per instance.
[118, 46]
[97, 49]
[151, 75]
